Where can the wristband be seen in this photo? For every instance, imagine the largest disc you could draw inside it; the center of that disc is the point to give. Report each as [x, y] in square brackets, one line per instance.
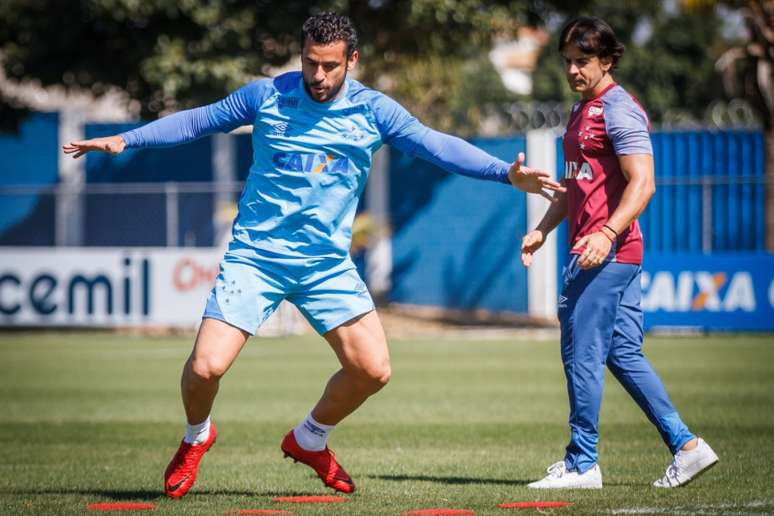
[611, 229]
[612, 240]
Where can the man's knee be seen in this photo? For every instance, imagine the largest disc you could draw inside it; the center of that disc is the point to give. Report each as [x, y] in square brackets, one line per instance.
[374, 376]
[206, 369]
[382, 375]
[622, 358]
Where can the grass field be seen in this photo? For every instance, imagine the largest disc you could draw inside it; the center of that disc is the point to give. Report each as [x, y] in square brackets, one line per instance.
[464, 424]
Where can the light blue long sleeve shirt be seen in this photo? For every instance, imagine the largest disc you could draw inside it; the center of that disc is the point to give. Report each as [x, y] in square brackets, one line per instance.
[311, 159]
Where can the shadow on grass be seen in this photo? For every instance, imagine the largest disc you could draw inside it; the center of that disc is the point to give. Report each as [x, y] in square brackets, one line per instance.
[145, 495]
[472, 480]
[452, 480]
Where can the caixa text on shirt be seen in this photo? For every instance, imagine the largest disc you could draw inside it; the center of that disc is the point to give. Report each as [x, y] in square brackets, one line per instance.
[314, 162]
[571, 170]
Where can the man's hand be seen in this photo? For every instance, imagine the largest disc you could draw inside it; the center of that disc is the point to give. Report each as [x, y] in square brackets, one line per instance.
[596, 248]
[531, 180]
[111, 144]
[531, 242]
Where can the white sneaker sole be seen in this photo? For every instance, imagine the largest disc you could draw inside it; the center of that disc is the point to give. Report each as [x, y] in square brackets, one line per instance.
[696, 469]
[700, 467]
[579, 486]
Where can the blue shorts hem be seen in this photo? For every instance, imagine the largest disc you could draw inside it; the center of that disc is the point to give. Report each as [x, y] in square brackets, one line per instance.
[212, 311]
[219, 317]
[323, 328]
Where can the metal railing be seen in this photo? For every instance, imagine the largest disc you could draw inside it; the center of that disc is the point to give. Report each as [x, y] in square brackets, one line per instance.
[730, 212]
[527, 115]
[200, 213]
[20, 203]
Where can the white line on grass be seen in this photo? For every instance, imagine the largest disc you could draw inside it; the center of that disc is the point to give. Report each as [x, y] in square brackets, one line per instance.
[699, 509]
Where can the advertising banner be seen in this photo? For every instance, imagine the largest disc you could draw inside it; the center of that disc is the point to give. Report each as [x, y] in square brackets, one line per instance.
[713, 292]
[112, 287]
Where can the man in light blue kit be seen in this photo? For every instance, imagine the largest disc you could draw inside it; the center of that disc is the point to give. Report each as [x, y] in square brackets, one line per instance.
[314, 135]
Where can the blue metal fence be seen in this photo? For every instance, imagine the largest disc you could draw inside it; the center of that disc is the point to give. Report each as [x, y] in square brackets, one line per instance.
[710, 193]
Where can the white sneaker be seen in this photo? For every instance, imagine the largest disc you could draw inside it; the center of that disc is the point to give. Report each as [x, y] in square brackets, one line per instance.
[559, 478]
[688, 465]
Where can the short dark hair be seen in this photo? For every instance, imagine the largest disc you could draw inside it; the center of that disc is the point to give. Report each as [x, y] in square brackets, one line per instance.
[329, 27]
[592, 36]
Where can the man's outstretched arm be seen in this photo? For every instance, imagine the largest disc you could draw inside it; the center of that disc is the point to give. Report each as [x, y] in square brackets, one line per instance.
[237, 109]
[460, 157]
[404, 132]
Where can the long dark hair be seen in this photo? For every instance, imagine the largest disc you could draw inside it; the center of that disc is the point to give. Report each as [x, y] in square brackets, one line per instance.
[592, 36]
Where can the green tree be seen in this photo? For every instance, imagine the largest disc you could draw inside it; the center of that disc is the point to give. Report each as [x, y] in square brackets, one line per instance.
[672, 71]
[430, 54]
[748, 71]
[173, 54]
[167, 54]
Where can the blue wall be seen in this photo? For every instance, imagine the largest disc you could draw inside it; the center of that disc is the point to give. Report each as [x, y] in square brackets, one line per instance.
[455, 238]
[29, 158]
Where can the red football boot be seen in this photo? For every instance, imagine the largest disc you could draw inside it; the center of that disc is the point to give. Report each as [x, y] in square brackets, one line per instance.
[181, 472]
[322, 462]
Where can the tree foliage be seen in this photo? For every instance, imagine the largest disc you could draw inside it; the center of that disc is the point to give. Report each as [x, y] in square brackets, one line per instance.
[671, 71]
[748, 67]
[171, 54]
[430, 54]
[165, 53]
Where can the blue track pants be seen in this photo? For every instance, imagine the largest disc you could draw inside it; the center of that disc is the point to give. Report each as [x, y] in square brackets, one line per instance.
[601, 324]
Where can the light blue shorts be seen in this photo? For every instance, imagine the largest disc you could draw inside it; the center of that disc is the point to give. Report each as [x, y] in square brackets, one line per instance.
[252, 283]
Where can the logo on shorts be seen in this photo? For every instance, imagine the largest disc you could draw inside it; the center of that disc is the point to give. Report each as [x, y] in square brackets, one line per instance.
[360, 287]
